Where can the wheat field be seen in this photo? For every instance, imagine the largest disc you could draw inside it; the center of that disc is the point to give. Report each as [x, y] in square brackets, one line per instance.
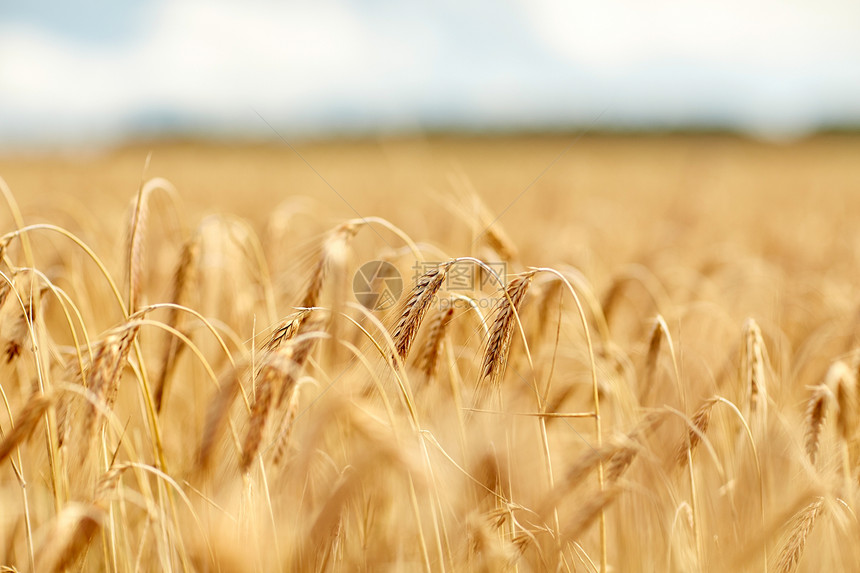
[661, 377]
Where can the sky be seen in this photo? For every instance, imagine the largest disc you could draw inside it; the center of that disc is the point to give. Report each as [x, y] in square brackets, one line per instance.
[93, 71]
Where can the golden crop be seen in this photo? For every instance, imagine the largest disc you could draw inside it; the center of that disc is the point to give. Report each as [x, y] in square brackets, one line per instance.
[666, 381]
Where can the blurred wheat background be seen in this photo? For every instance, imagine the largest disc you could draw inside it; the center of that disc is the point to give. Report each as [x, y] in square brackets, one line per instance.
[674, 390]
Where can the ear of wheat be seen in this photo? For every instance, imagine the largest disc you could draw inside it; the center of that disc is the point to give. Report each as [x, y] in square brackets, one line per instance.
[501, 333]
[70, 534]
[333, 251]
[621, 459]
[217, 416]
[816, 410]
[415, 307]
[183, 278]
[25, 423]
[19, 303]
[753, 369]
[698, 427]
[318, 447]
[276, 379]
[801, 526]
[653, 354]
[286, 330]
[842, 383]
[435, 336]
[105, 372]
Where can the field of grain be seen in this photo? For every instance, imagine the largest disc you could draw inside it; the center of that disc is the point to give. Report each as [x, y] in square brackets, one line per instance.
[664, 380]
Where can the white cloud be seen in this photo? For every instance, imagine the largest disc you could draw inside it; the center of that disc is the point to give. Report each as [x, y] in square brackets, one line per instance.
[765, 63]
[616, 34]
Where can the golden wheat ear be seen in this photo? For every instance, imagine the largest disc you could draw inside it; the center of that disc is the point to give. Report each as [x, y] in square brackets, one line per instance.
[277, 378]
[842, 381]
[490, 231]
[795, 542]
[816, 410]
[333, 252]
[429, 358]
[501, 333]
[621, 460]
[69, 535]
[285, 428]
[651, 358]
[273, 372]
[699, 424]
[18, 310]
[754, 371]
[183, 278]
[25, 423]
[105, 372]
[286, 330]
[416, 305]
[217, 416]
